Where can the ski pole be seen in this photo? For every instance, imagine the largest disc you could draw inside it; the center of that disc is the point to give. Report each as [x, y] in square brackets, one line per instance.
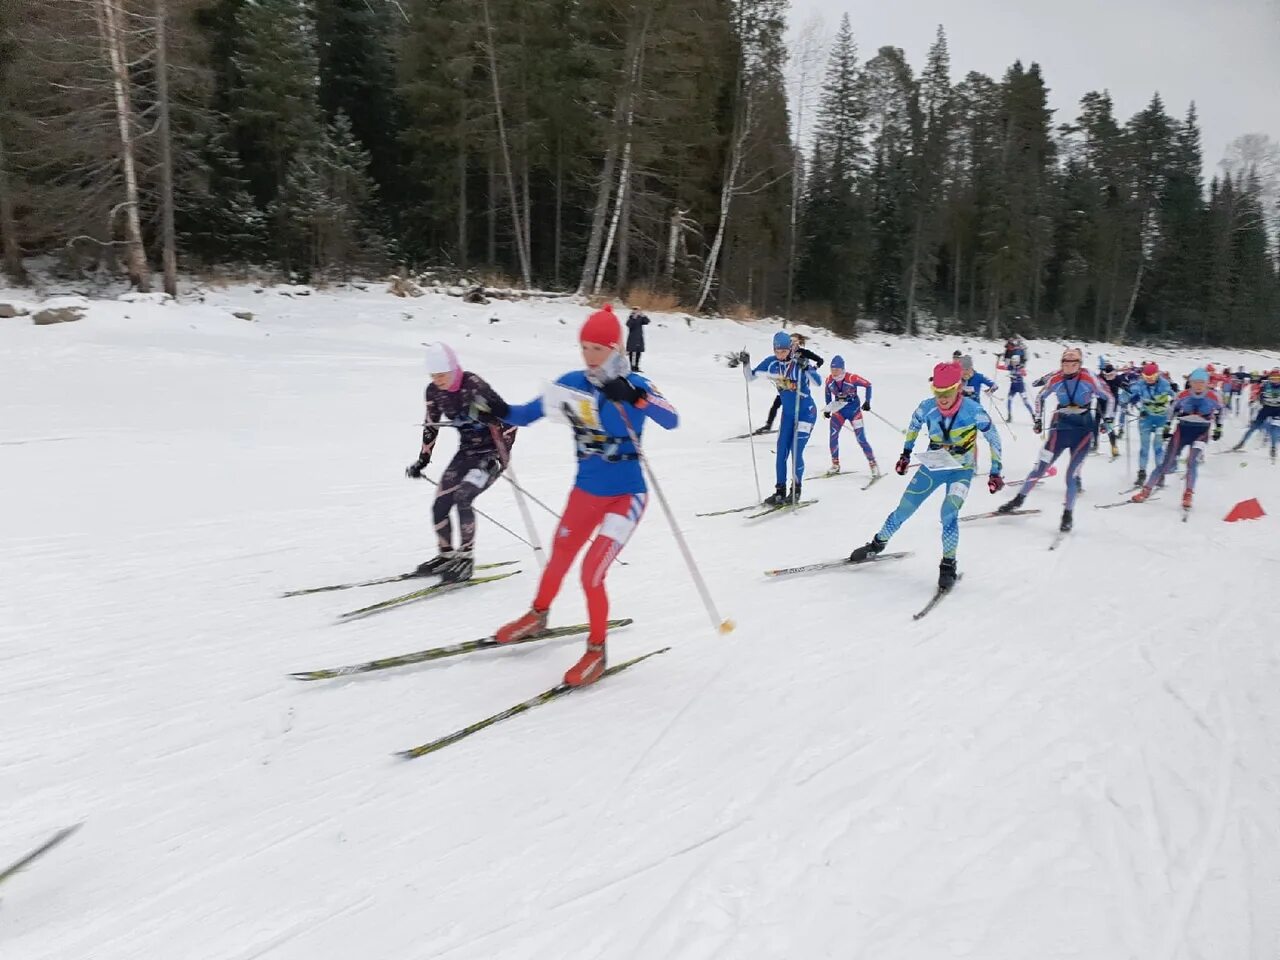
[721, 625]
[533, 540]
[493, 521]
[1001, 418]
[549, 510]
[886, 422]
[751, 433]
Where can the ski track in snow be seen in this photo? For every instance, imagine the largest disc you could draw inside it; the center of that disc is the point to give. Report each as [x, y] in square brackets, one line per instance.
[1075, 755]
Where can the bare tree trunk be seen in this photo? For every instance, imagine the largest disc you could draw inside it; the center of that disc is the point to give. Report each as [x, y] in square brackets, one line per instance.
[623, 177]
[955, 292]
[521, 249]
[112, 35]
[462, 189]
[170, 243]
[559, 209]
[524, 189]
[12, 256]
[622, 114]
[1111, 297]
[734, 163]
[493, 212]
[673, 243]
[622, 270]
[911, 276]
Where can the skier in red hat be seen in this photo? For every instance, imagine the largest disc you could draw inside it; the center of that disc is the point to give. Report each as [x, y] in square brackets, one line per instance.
[606, 405]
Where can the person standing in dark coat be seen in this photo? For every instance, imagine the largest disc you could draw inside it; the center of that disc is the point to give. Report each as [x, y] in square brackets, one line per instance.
[635, 338]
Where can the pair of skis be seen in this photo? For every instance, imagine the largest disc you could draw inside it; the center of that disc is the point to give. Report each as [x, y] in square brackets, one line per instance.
[434, 590]
[842, 564]
[484, 643]
[767, 511]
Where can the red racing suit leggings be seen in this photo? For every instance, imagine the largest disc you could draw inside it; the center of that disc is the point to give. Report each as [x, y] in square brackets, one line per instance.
[615, 518]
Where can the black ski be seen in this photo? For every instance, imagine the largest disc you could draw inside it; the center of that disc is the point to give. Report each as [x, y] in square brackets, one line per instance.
[433, 591]
[395, 579]
[452, 650]
[835, 564]
[938, 595]
[38, 852]
[753, 433]
[559, 690]
[996, 513]
[1122, 503]
[769, 511]
[870, 483]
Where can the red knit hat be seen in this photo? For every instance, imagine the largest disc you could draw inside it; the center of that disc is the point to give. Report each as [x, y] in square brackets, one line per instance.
[602, 327]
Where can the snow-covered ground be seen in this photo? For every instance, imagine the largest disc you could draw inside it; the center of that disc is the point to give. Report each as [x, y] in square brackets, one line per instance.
[1076, 756]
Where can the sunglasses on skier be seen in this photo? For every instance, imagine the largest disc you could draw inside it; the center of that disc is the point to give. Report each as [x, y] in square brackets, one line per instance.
[946, 395]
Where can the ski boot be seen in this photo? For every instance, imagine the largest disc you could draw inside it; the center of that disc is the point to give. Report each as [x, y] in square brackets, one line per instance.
[435, 565]
[1115, 451]
[522, 627]
[1142, 478]
[761, 431]
[835, 468]
[1012, 505]
[778, 498]
[794, 496]
[1065, 525]
[1238, 447]
[1141, 496]
[875, 471]
[461, 568]
[873, 548]
[947, 573]
[587, 670]
[1186, 500]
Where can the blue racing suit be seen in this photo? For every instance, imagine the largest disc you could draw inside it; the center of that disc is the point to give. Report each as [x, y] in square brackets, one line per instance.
[795, 425]
[954, 438]
[1152, 401]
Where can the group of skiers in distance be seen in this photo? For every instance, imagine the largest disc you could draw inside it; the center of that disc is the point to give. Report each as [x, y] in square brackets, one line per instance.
[607, 401]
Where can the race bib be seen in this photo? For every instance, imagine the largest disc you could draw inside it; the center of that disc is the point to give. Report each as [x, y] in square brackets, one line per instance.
[568, 405]
[938, 460]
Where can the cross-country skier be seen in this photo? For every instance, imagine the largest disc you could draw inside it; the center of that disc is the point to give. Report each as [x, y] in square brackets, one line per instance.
[1072, 428]
[792, 373]
[1195, 410]
[798, 341]
[605, 404]
[974, 381]
[484, 448]
[953, 422]
[1268, 401]
[1115, 386]
[1151, 394]
[1016, 367]
[843, 406]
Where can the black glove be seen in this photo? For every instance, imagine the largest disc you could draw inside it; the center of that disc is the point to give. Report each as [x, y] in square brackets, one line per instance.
[809, 355]
[1217, 431]
[414, 470]
[867, 406]
[1167, 432]
[904, 461]
[827, 414]
[744, 358]
[622, 390]
[1037, 425]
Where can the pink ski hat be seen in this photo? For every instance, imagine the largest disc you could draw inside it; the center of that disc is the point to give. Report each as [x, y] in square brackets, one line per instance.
[442, 359]
[947, 375]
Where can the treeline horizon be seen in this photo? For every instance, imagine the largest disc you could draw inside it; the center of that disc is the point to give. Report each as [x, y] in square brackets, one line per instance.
[646, 148]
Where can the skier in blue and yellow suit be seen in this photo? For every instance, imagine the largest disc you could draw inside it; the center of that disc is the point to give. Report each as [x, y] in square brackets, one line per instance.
[789, 368]
[953, 422]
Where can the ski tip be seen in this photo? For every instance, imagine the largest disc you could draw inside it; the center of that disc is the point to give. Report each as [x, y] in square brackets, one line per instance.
[726, 627]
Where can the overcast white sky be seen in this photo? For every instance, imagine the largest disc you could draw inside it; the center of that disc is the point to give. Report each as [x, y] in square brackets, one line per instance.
[1223, 54]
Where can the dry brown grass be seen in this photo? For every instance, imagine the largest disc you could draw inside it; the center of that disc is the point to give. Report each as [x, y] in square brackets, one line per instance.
[741, 312]
[648, 300]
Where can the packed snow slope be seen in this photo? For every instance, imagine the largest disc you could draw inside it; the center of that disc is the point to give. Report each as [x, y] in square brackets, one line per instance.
[1077, 755]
